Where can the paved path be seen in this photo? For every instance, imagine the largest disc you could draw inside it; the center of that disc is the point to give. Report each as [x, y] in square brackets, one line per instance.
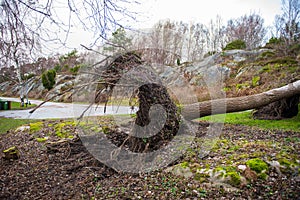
[52, 110]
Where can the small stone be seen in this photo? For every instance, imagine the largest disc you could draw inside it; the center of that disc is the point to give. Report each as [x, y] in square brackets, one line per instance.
[23, 128]
[242, 167]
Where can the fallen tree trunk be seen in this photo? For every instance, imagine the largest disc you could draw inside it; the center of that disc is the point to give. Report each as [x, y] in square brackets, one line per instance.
[227, 105]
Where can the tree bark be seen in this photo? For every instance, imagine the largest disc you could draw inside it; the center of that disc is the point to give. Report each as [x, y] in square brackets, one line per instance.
[227, 105]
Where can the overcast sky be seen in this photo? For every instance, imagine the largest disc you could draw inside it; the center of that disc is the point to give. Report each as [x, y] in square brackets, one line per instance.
[204, 10]
[151, 11]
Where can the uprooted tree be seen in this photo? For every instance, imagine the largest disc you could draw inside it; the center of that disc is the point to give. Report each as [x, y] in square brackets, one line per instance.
[153, 93]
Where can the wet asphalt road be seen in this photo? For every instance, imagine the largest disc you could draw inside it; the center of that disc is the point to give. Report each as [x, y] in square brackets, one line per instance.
[53, 110]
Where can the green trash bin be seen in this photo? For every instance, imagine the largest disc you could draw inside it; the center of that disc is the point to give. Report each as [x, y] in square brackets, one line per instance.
[5, 106]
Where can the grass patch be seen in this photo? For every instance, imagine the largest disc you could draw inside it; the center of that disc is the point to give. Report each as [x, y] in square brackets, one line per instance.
[17, 106]
[245, 118]
[9, 123]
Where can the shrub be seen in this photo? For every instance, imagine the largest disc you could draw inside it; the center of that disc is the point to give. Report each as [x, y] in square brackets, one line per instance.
[274, 40]
[236, 44]
[48, 79]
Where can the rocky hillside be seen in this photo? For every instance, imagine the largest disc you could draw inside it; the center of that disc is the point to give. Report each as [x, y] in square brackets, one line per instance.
[240, 73]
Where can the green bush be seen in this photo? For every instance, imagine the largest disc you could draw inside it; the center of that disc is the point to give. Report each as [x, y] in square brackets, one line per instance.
[236, 44]
[48, 79]
[274, 40]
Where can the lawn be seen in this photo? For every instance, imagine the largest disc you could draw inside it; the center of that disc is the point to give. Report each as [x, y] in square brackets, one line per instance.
[245, 118]
[16, 106]
[8, 123]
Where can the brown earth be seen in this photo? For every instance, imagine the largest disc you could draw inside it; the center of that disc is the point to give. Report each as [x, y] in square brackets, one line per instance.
[64, 169]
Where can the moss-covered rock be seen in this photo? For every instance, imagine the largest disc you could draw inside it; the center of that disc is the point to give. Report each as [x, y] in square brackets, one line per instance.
[257, 165]
[234, 178]
[179, 170]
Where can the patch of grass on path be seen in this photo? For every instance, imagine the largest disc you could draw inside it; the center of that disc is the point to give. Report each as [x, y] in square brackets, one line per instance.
[245, 118]
[9, 123]
[16, 106]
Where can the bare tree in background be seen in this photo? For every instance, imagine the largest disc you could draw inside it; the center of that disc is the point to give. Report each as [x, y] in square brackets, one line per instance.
[248, 28]
[215, 35]
[288, 23]
[168, 41]
[23, 23]
[196, 42]
[18, 42]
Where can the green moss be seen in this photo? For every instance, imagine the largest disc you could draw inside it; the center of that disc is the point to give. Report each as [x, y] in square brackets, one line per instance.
[34, 127]
[285, 162]
[201, 177]
[255, 81]
[266, 68]
[263, 176]
[241, 86]
[11, 150]
[105, 129]
[41, 139]
[233, 148]
[235, 178]
[226, 89]
[61, 129]
[293, 68]
[184, 164]
[219, 172]
[257, 165]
